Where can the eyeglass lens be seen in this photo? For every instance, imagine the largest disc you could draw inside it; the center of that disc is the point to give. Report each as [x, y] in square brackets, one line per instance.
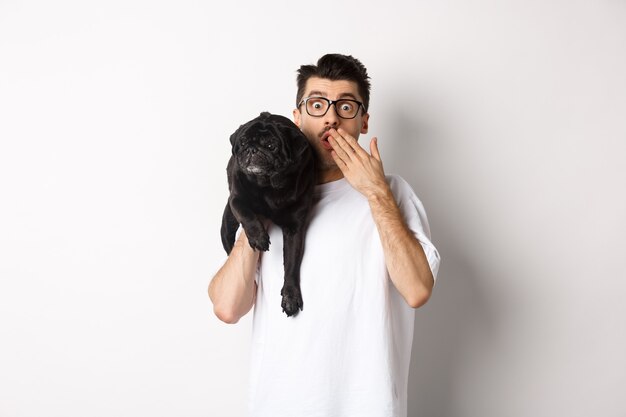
[318, 106]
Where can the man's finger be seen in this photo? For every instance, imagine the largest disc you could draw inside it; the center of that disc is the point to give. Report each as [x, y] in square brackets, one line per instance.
[340, 146]
[353, 143]
[374, 149]
[340, 162]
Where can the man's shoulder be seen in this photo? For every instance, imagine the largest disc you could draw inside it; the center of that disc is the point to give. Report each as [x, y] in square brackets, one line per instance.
[394, 178]
[398, 184]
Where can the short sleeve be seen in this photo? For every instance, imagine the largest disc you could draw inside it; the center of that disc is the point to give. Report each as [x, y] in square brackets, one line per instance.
[416, 220]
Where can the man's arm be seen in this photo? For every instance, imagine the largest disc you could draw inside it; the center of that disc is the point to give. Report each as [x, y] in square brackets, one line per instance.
[233, 288]
[404, 256]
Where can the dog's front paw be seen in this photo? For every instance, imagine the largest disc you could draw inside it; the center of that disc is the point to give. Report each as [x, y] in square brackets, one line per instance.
[292, 300]
[257, 236]
[260, 242]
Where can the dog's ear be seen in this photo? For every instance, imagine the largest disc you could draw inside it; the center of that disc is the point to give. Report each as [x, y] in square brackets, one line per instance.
[233, 137]
[295, 143]
[301, 144]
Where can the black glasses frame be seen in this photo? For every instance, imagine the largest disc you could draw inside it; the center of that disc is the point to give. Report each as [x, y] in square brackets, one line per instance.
[330, 102]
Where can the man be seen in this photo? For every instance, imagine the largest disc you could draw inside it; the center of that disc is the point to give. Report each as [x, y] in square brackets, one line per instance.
[368, 263]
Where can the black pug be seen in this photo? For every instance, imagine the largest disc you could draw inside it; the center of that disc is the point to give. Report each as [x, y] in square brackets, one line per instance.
[271, 174]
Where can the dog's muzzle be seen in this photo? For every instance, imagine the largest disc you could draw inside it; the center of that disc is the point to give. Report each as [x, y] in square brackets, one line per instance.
[255, 161]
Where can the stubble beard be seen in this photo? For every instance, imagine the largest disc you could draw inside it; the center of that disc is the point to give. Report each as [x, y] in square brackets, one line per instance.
[325, 161]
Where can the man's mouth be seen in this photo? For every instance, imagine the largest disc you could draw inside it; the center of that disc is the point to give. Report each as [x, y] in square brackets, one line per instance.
[325, 142]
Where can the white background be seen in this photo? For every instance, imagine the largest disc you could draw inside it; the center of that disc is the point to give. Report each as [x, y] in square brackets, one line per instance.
[507, 117]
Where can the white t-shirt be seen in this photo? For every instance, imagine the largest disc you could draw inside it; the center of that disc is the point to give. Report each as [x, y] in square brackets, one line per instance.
[347, 353]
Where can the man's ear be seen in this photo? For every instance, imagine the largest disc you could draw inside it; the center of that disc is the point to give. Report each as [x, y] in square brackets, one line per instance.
[296, 117]
[364, 122]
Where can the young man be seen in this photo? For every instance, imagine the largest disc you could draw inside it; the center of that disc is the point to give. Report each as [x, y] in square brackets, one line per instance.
[368, 263]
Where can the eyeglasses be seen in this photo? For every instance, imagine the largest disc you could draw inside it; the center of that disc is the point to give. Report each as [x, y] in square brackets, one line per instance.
[318, 106]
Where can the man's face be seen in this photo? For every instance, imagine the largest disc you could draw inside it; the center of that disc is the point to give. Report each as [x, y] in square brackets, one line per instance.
[316, 128]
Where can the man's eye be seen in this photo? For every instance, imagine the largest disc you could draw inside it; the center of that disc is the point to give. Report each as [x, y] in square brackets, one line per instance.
[317, 105]
[346, 106]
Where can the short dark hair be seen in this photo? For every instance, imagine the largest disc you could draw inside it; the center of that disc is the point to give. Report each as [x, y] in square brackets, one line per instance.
[336, 67]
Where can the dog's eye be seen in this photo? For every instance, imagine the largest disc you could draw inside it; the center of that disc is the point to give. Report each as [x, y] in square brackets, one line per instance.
[271, 146]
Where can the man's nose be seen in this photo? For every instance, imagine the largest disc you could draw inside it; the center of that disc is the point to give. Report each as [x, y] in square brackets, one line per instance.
[331, 118]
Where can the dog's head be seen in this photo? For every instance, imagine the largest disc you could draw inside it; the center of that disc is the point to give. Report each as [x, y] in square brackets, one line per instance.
[268, 145]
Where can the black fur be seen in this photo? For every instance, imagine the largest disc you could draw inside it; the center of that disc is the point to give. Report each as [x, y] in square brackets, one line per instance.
[271, 174]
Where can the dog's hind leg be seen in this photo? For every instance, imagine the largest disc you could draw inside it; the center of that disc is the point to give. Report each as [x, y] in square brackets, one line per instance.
[293, 250]
[230, 224]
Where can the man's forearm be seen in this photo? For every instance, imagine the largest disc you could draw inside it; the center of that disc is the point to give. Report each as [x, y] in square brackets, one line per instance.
[404, 256]
[233, 289]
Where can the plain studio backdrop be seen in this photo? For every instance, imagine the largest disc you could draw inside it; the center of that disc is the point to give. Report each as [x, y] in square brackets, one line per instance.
[508, 118]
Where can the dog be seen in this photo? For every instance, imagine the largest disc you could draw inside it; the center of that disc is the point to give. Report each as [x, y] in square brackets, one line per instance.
[271, 174]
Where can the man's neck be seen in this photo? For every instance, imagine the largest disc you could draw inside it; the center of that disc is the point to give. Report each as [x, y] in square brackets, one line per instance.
[329, 175]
